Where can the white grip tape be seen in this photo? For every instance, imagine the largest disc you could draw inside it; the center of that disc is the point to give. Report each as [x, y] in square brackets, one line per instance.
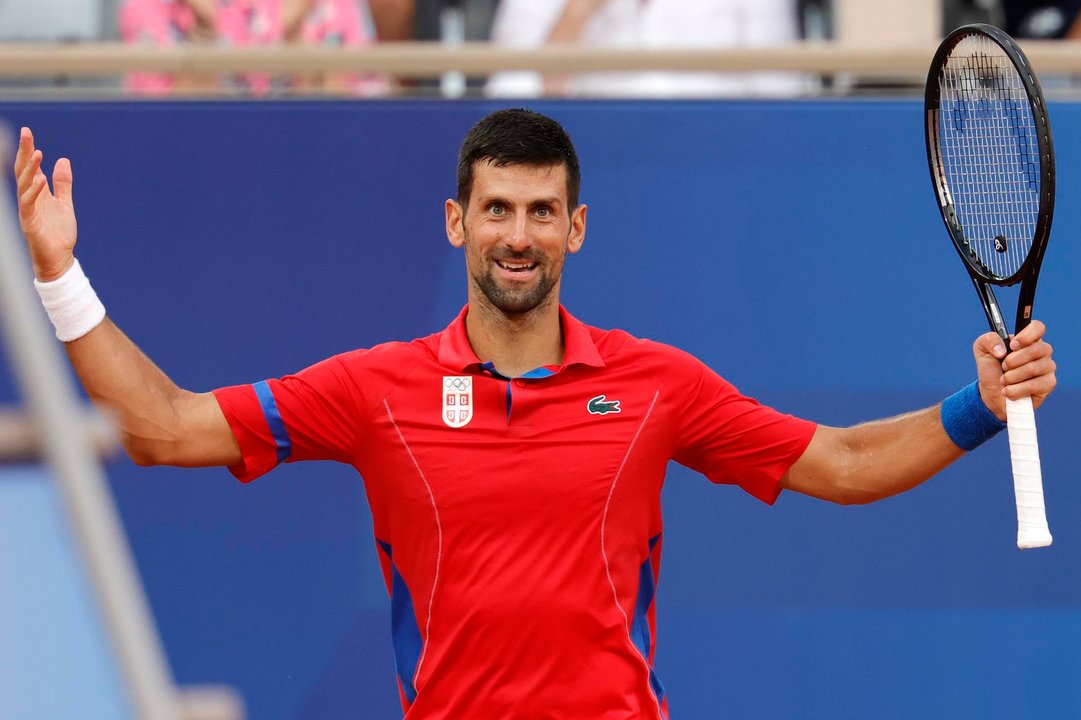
[1032, 530]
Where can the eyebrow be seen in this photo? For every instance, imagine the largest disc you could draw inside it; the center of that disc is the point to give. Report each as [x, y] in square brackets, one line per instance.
[552, 200]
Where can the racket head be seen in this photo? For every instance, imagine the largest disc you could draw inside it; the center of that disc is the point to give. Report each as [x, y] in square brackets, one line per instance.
[990, 154]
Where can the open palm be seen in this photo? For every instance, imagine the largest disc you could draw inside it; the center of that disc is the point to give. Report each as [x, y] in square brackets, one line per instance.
[47, 217]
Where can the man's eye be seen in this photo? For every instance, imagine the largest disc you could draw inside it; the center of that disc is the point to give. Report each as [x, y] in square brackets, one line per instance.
[497, 210]
[543, 212]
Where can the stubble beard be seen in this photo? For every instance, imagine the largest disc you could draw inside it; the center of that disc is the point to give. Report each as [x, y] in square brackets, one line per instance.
[516, 302]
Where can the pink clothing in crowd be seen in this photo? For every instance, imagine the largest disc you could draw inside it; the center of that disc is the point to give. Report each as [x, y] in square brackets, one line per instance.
[242, 23]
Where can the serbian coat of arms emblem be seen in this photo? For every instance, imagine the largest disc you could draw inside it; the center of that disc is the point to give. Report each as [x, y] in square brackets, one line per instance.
[457, 400]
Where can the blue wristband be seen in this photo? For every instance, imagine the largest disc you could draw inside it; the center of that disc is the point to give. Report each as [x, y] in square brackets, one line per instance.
[967, 420]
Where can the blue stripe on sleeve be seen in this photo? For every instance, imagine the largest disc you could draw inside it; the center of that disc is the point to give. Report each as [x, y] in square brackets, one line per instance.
[274, 420]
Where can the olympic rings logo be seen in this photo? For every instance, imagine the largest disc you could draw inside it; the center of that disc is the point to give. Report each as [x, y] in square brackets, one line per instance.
[458, 383]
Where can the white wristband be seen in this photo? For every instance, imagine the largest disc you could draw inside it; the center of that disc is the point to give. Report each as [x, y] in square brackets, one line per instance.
[72, 305]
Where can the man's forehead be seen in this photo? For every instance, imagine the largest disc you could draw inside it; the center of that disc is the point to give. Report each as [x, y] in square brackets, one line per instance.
[542, 178]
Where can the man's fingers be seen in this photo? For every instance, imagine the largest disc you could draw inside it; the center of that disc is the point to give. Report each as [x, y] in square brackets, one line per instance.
[1037, 388]
[1031, 334]
[31, 185]
[62, 179]
[1038, 367]
[30, 173]
[1027, 354]
[30, 196]
[989, 344]
[26, 149]
[1029, 371]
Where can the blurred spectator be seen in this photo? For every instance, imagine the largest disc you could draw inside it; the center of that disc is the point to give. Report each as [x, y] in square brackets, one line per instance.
[242, 23]
[50, 20]
[393, 19]
[1042, 20]
[476, 16]
[453, 22]
[66, 21]
[647, 24]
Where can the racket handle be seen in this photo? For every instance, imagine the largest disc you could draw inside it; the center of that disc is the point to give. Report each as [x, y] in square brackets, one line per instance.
[1032, 530]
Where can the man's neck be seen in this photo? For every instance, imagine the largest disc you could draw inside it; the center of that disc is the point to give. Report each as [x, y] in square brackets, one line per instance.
[515, 344]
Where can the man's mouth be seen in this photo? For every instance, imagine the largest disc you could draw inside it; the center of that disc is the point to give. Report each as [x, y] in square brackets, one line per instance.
[516, 266]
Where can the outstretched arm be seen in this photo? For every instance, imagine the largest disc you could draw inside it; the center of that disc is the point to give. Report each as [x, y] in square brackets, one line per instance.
[878, 459]
[575, 15]
[159, 423]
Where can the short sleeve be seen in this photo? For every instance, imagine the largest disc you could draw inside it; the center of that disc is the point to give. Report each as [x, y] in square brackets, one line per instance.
[316, 414]
[731, 438]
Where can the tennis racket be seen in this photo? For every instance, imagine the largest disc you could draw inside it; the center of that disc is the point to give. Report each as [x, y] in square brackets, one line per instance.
[993, 168]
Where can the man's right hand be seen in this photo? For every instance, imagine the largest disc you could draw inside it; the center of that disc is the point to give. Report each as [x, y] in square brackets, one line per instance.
[47, 217]
[158, 423]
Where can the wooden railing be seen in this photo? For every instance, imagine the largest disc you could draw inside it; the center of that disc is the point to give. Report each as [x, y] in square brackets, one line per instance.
[21, 438]
[433, 59]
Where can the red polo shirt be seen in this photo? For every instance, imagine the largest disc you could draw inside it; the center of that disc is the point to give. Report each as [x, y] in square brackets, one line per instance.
[518, 520]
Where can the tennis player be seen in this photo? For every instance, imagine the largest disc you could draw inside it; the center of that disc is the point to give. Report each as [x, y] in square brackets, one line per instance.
[513, 461]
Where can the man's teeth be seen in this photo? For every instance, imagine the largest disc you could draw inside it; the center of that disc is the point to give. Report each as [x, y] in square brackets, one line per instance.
[515, 267]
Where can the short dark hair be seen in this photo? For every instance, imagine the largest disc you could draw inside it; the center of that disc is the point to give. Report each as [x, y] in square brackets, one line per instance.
[517, 137]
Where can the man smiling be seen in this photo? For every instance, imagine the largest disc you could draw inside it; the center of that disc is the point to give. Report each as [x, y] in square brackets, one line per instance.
[513, 461]
[517, 217]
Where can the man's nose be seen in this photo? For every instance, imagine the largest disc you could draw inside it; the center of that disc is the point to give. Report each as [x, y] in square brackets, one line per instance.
[519, 238]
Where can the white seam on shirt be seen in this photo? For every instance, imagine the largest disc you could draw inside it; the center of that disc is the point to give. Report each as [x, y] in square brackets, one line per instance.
[439, 532]
[604, 551]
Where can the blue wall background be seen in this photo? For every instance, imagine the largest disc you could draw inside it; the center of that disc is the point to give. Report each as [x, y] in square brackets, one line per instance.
[795, 247]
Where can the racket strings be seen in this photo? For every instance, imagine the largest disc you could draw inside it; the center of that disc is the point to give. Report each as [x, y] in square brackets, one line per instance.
[990, 154]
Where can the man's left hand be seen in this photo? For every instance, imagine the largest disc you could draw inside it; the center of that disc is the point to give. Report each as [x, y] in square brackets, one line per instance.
[1027, 371]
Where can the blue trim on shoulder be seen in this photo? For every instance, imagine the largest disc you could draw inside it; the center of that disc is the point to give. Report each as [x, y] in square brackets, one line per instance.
[274, 420]
[640, 635]
[404, 630]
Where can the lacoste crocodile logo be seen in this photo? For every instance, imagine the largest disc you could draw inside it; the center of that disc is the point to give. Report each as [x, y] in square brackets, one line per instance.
[600, 406]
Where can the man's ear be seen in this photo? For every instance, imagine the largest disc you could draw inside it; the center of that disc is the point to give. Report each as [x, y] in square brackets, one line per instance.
[455, 218]
[578, 229]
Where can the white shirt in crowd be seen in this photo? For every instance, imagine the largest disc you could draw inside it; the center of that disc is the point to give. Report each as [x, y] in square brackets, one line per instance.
[653, 24]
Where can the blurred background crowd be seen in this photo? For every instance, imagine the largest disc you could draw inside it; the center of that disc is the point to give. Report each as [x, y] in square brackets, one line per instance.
[513, 24]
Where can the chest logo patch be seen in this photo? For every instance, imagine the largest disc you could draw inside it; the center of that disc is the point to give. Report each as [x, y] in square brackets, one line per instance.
[601, 406]
[457, 400]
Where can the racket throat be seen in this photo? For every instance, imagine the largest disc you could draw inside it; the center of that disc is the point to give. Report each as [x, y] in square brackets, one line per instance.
[994, 313]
